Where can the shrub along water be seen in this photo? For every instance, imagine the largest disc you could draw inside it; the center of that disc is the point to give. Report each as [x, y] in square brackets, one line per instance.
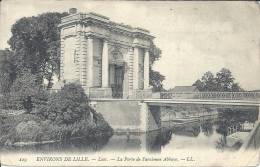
[66, 114]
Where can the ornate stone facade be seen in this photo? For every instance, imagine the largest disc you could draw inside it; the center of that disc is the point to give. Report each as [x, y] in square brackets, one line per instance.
[108, 59]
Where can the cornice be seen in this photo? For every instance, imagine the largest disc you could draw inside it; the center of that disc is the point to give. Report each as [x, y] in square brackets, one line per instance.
[91, 19]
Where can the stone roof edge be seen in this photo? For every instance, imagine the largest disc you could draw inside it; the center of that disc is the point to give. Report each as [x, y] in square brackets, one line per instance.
[106, 20]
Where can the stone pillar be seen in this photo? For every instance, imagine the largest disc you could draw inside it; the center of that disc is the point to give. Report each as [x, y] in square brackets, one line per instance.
[136, 69]
[144, 144]
[146, 69]
[258, 113]
[105, 65]
[90, 61]
[144, 116]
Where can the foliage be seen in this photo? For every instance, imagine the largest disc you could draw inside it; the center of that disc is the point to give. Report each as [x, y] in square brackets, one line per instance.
[66, 106]
[36, 44]
[7, 70]
[30, 128]
[235, 116]
[26, 93]
[223, 82]
[27, 131]
[156, 78]
[8, 125]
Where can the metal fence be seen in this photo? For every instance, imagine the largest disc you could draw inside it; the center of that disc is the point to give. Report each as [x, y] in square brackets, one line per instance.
[211, 95]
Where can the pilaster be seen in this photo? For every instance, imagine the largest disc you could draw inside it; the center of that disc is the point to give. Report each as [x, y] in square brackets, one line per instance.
[105, 64]
[78, 52]
[90, 60]
[84, 65]
[62, 58]
[130, 71]
[136, 69]
[146, 69]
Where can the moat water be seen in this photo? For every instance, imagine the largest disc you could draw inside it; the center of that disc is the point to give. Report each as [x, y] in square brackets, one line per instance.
[210, 134]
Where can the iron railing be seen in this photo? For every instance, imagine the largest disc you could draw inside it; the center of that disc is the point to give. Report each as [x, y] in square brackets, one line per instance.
[211, 95]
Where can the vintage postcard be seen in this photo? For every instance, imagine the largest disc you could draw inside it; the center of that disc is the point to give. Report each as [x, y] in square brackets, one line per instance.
[129, 83]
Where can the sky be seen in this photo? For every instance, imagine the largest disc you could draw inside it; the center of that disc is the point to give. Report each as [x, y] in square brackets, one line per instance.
[195, 37]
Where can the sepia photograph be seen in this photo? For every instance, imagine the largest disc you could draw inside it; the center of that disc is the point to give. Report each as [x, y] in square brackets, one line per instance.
[129, 83]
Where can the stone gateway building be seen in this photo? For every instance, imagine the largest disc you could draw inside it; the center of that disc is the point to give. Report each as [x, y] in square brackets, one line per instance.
[108, 59]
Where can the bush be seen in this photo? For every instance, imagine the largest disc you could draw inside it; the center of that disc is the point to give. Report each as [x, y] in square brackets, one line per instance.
[9, 124]
[27, 131]
[66, 115]
[66, 106]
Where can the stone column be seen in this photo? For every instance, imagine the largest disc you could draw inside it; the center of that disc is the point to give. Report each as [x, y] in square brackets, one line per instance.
[136, 69]
[90, 61]
[105, 65]
[146, 69]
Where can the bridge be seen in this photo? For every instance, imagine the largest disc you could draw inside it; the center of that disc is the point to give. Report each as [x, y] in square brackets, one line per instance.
[149, 105]
[255, 96]
[143, 113]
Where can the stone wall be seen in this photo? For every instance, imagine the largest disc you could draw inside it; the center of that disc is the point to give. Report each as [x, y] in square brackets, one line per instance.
[121, 115]
[128, 115]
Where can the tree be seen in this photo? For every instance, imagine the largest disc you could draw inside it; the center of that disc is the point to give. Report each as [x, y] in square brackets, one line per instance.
[26, 93]
[206, 83]
[199, 84]
[156, 78]
[35, 42]
[223, 81]
[209, 81]
[7, 70]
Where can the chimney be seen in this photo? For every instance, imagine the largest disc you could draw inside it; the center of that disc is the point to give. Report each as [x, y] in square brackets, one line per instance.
[72, 10]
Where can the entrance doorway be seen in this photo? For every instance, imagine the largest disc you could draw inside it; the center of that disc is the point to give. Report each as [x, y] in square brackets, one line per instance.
[117, 87]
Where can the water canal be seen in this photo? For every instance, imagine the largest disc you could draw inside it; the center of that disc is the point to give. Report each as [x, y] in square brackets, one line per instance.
[211, 134]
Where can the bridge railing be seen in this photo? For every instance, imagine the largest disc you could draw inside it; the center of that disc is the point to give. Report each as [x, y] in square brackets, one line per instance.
[211, 95]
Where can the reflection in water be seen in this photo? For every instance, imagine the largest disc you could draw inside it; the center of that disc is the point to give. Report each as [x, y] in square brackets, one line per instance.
[207, 128]
[208, 134]
[78, 145]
